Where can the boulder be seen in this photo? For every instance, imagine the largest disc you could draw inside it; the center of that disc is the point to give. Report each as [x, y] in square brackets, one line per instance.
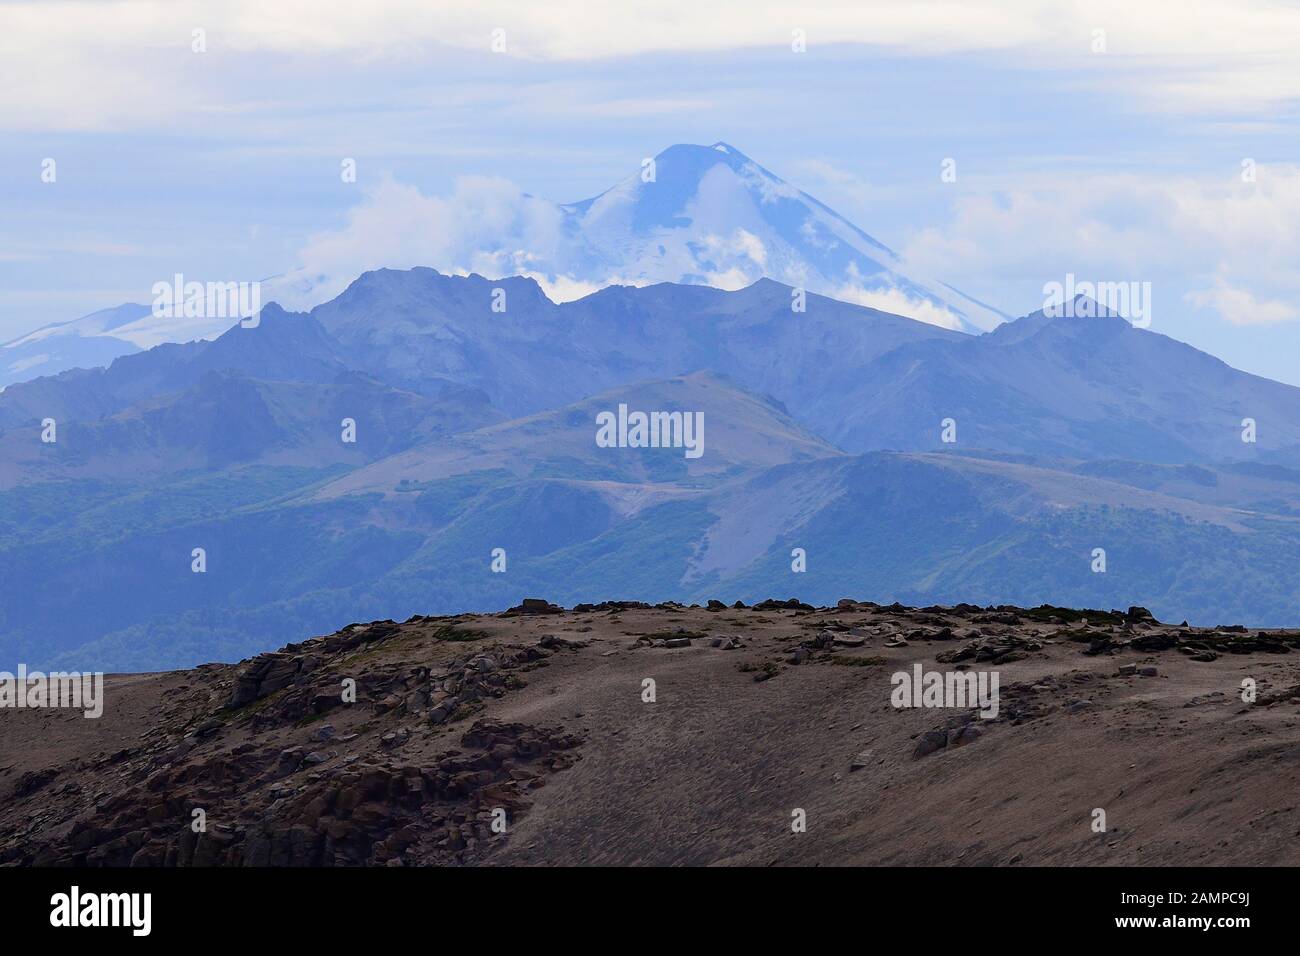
[535, 606]
[930, 742]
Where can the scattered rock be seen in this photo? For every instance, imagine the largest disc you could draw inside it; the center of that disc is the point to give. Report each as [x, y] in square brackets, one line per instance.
[995, 649]
[793, 604]
[552, 643]
[323, 732]
[863, 759]
[931, 741]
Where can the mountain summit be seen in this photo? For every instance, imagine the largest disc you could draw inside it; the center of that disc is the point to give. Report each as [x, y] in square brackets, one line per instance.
[710, 215]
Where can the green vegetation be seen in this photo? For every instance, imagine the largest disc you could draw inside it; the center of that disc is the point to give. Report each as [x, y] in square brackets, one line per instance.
[450, 632]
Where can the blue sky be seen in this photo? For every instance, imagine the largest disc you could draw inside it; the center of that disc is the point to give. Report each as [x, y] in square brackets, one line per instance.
[1117, 164]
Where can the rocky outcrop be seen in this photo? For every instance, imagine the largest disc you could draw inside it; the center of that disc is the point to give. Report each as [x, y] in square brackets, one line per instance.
[293, 791]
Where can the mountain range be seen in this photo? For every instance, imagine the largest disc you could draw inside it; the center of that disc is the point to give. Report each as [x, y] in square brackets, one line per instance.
[427, 441]
[698, 215]
[824, 468]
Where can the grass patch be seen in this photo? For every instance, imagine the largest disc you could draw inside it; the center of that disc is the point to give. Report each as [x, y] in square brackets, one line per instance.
[450, 632]
[848, 661]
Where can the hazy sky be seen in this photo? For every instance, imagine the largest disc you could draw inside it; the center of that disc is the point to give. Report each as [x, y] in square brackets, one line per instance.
[1116, 155]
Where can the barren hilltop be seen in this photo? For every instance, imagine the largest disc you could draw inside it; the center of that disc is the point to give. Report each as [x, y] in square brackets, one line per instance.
[624, 733]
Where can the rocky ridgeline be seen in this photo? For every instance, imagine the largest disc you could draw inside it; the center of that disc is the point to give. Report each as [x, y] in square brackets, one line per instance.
[993, 635]
[1002, 634]
[378, 745]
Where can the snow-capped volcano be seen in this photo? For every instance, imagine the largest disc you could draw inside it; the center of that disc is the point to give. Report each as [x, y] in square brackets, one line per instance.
[701, 215]
[710, 215]
[698, 215]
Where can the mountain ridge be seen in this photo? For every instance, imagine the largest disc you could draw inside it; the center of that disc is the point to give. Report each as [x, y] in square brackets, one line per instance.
[710, 216]
[476, 432]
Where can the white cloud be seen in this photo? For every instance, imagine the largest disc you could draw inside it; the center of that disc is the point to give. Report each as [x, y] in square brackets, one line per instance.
[1240, 307]
[1231, 237]
[576, 29]
[486, 225]
[741, 244]
[108, 64]
[899, 303]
